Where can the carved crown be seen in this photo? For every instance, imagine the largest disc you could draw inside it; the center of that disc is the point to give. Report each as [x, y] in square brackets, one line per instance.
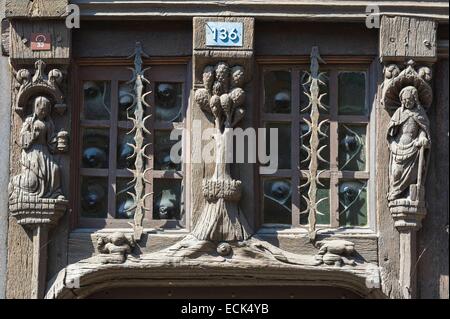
[39, 84]
[395, 80]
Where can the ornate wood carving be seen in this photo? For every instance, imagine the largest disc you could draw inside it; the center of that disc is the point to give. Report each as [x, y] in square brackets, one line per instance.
[409, 93]
[39, 83]
[114, 248]
[223, 97]
[36, 199]
[336, 252]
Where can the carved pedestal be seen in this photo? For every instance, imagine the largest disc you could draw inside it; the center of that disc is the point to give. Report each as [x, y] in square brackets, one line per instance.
[34, 212]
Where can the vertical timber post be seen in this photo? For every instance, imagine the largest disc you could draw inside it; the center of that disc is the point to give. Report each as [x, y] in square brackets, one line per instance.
[406, 42]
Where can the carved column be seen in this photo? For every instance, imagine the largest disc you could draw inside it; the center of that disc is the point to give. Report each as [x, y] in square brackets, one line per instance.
[221, 74]
[407, 49]
[40, 139]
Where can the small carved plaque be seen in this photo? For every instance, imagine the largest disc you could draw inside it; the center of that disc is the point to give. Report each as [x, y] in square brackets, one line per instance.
[41, 42]
[224, 34]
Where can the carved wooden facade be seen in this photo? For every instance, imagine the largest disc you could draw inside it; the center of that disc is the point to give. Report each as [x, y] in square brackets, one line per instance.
[224, 236]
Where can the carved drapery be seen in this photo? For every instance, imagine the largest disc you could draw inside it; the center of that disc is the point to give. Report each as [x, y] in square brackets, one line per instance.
[36, 199]
[407, 94]
[36, 196]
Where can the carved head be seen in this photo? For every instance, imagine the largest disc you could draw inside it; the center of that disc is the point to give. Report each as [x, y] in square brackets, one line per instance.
[237, 76]
[391, 71]
[222, 72]
[208, 77]
[426, 73]
[42, 107]
[409, 97]
[118, 239]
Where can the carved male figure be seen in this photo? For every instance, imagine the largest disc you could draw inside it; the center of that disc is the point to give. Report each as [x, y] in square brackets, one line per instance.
[40, 173]
[408, 137]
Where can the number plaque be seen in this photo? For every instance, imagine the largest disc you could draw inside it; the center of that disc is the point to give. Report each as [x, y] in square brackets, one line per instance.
[41, 42]
[224, 34]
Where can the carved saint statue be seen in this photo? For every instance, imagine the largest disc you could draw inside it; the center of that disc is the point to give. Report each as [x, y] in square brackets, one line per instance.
[40, 173]
[408, 137]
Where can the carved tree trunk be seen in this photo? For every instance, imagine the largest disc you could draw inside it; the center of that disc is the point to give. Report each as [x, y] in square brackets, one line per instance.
[221, 219]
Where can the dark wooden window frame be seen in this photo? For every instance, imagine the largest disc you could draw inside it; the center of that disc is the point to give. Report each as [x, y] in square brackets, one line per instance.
[176, 69]
[335, 64]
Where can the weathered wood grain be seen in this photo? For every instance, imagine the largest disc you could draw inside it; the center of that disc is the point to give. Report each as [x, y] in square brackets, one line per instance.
[408, 37]
[389, 238]
[20, 50]
[36, 8]
[433, 252]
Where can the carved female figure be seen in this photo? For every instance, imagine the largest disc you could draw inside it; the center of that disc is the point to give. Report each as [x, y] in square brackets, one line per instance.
[40, 174]
[408, 137]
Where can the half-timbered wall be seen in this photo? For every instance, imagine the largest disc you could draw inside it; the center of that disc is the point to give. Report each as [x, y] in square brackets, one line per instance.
[49, 257]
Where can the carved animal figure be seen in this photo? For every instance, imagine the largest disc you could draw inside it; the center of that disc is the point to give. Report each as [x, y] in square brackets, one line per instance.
[335, 252]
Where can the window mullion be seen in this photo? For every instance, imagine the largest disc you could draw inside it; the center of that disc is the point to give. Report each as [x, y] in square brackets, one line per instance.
[113, 150]
[334, 149]
[295, 141]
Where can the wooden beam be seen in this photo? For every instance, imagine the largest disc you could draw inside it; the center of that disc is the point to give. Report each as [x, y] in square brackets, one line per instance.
[21, 51]
[330, 10]
[408, 38]
[35, 8]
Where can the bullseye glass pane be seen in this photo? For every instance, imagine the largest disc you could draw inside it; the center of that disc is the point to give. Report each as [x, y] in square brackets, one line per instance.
[124, 201]
[126, 101]
[125, 151]
[163, 148]
[277, 92]
[277, 201]
[94, 197]
[281, 135]
[322, 204]
[352, 147]
[353, 203]
[352, 93]
[97, 100]
[168, 101]
[167, 199]
[95, 151]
